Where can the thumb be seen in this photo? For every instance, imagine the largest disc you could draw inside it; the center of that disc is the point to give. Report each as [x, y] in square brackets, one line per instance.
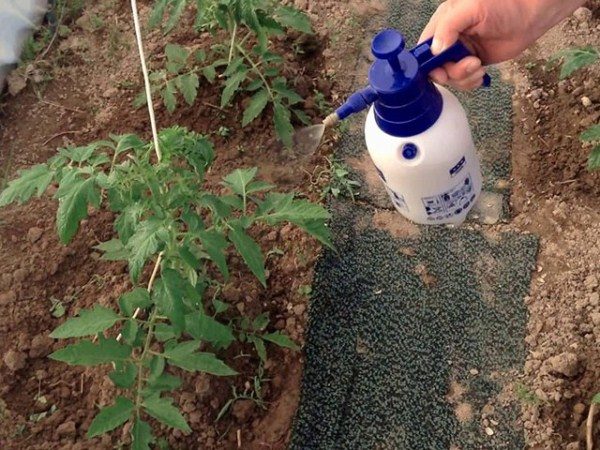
[455, 17]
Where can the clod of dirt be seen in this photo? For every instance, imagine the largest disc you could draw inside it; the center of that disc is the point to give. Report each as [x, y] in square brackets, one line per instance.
[566, 364]
[583, 14]
[202, 387]
[242, 410]
[20, 275]
[8, 298]
[464, 412]
[41, 345]
[573, 446]
[34, 234]
[14, 360]
[427, 279]
[66, 429]
[299, 309]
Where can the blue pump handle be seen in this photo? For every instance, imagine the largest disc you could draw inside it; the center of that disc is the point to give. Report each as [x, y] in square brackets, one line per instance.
[454, 53]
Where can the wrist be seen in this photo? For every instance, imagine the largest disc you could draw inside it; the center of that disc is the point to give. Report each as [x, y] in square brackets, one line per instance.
[545, 14]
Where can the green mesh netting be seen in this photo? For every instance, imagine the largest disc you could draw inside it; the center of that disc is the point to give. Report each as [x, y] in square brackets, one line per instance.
[395, 323]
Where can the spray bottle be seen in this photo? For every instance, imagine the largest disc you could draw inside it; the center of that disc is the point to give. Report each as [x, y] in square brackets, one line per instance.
[417, 133]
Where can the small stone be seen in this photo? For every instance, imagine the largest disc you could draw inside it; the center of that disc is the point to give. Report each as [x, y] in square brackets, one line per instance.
[489, 431]
[202, 387]
[34, 234]
[572, 446]
[578, 409]
[566, 364]
[591, 281]
[242, 410]
[14, 360]
[66, 429]
[110, 92]
[595, 318]
[582, 14]
[594, 298]
[41, 345]
[536, 94]
[585, 101]
[299, 309]
[474, 372]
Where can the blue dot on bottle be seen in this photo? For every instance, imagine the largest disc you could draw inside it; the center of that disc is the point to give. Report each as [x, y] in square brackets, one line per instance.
[409, 151]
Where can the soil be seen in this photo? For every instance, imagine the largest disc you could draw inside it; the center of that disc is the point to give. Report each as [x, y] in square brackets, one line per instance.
[95, 76]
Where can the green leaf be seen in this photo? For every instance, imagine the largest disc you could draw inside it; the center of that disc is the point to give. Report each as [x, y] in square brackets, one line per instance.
[73, 205]
[302, 117]
[182, 350]
[575, 59]
[113, 250]
[188, 85]
[130, 332]
[259, 345]
[220, 306]
[29, 182]
[156, 16]
[204, 328]
[85, 353]
[292, 97]
[292, 18]
[260, 322]
[124, 375]
[143, 244]
[256, 106]
[203, 362]
[177, 7]
[283, 124]
[214, 245]
[281, 340]
[111, 417]
[232, 85]
[596, 398]
[130, 301]
[89, 322]
[128, 142]
[176, 54]
[157, 367]
[250, 252]
[209, 73]
[594, 159]
[140, 100]
[141, 435]
[168, 95]
[171, 290]
[162, 409]
[591, 134]
[239, 179]
[164, 382]
[163, 332]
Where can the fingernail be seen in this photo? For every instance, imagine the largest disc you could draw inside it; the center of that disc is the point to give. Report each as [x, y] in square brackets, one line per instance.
[473, 66]
[437, 46]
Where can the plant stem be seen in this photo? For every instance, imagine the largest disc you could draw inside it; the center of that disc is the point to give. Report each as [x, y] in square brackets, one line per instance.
[138, 35]
[257, 70]
[233, 36]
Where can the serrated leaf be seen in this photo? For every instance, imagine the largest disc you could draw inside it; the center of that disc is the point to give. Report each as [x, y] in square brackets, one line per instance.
[591, 134]
[182, 350]
[128, 142]
[130, 301]
[259, 345]
[73, 206]
[258, 186]
[209, 73]
[31, 181]
[141, 435]
[292, 18]
[220, 306]
[168, 95]
[143, 244]
[256, 106]
[176, 53]
[89, 322]
[171, 289]
[157, 367]
[283, 124]
[260, 322]
[111, 417]
[232, 85]
[594, 159]
[255, 85]
[203, 362]
[205, 328]
[163, 332]
[162, 409]
[113, 250]
[250, 252]
[281, 340]
[164, 382]
[158, 11]
[575, 59]
[239, 179]
[291, 96]
[175, 12]
[188, 85]
[302, 117]
[130, 332]
[214, 244]
[140, 100]
[596, 398]
[85, 353]
[124, 375]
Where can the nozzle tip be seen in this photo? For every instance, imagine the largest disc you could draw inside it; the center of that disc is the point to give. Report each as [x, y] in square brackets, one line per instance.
[331, 120]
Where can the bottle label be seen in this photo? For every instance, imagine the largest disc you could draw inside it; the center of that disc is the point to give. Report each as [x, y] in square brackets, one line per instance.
[397, 199]
[450, 203]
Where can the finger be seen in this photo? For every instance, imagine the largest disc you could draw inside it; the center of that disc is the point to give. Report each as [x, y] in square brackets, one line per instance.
[455, 18]
[439, 75]
[429, 29]
[464, 68]
[472, 82]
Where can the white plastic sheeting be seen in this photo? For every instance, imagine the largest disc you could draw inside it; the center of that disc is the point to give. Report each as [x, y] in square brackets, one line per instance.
[18, 18]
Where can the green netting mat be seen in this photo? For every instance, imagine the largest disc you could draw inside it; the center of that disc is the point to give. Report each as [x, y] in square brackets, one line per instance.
[411, 341]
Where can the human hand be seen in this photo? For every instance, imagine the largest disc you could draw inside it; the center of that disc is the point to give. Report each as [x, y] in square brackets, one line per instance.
[495, 31]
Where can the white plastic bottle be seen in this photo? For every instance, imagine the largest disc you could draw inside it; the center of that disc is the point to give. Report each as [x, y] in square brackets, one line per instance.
[417, 133]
